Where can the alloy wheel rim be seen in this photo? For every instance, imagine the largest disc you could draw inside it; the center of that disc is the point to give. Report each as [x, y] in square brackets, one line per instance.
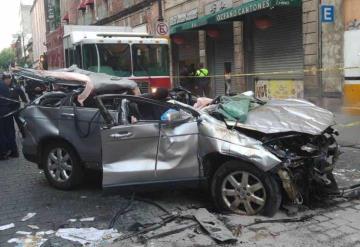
[243, 193]
[59, 164]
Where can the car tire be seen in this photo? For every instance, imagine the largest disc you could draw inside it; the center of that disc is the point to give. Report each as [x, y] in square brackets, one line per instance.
[62, 166]
[261, 195]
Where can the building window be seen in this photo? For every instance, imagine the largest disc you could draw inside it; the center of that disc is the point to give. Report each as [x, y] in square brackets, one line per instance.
[54, 17]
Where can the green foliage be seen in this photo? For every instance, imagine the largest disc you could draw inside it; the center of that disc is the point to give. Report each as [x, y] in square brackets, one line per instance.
[7, 56]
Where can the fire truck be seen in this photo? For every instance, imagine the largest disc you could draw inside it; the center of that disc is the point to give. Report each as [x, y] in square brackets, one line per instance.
[119, 51]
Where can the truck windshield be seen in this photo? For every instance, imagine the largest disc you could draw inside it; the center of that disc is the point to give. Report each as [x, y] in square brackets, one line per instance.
[115, 59]
[150, 60]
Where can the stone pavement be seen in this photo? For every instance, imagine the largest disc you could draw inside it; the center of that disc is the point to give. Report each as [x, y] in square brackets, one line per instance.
[24, 189]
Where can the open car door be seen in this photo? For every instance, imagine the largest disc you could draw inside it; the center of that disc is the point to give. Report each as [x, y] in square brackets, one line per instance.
[129, 149]
[143, 146]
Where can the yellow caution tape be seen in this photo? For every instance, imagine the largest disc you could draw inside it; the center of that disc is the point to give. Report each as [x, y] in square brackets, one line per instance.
[286, 72]
[348, 125]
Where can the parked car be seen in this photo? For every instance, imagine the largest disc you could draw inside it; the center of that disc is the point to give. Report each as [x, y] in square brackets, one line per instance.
[284, 152]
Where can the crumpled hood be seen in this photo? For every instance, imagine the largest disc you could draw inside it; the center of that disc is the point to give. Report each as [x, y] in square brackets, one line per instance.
[278, 116]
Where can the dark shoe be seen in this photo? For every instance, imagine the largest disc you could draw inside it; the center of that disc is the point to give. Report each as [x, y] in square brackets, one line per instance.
[14, 154]
[3, 157]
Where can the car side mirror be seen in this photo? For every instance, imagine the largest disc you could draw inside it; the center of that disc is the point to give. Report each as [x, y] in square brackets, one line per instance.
[174, 117]
[171, 115]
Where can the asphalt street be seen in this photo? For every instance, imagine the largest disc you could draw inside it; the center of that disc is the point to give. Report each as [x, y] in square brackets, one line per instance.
[24, 190]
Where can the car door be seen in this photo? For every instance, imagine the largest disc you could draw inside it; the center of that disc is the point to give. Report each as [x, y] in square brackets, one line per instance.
[81, 127]
[178, 149]
[129, 151]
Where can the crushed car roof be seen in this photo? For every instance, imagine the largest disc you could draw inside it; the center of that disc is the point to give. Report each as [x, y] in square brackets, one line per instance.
[73, 76]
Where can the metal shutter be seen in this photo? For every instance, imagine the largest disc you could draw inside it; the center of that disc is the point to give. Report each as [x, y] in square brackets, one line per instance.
[190, 50]
[280, 47]
[223, 51]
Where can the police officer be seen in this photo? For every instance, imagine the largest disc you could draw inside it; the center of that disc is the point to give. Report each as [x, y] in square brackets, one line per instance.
[7, 130]
[203, 82]
[17, 94]
[8, 147]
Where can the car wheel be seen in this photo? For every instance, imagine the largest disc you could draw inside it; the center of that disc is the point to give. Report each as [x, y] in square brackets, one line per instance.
[242, 188]
[62, 166]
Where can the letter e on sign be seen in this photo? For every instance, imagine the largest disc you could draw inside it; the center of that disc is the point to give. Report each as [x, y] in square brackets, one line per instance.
[327, 13]
[162, 29]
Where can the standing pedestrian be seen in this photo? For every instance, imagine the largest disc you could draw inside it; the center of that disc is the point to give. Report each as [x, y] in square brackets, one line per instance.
[8, 147]
[203, 81]
[227, 77]
[184, 79]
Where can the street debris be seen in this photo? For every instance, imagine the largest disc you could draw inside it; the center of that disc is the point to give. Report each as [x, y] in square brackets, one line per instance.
[72, 220]
[42, 233]
[283, 220]
[87, 219]
[83, 197]
[214, 227]
[88, 236]
[23, 233]
[34, 227]
[30, 240]
[28, 216]
[49, 232]
[150, 228]
[8, 226]
[122, 211]
[168, 231]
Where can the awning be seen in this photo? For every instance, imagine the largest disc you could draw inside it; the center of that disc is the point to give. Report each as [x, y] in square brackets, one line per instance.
[66, 17]
[82, 6]
[89, 2]
[202, 21]
[227, 14]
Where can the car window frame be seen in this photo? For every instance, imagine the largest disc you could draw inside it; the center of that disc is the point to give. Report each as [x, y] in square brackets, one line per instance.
[110, 122]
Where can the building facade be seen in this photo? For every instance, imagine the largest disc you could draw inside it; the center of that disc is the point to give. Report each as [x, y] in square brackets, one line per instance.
[250, 40]
[276, 48]
[38, 28]
[134, 13]
[351, 9]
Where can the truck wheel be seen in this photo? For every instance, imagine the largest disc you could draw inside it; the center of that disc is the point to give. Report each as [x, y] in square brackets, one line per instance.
[244, 189]
[62, 166]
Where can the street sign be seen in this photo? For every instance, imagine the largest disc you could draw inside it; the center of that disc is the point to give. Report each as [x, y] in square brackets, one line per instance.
[162, 29]
[327, 13]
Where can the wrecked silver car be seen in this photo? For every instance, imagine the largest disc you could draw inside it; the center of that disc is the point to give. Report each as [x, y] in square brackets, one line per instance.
[254, 155]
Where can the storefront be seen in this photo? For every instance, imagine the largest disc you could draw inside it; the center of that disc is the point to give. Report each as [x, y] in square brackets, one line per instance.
[185, 54]
[274, 53]
[220, 55]
[270, 42]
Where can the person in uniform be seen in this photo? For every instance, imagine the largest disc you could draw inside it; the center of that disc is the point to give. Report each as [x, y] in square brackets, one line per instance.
[8, 146]
[17, 94]
[203, 82]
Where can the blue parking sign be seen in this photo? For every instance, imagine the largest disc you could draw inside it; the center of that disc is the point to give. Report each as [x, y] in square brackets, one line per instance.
[327, 13]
